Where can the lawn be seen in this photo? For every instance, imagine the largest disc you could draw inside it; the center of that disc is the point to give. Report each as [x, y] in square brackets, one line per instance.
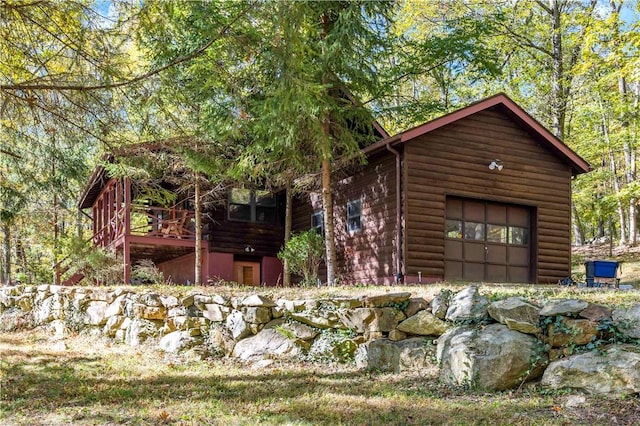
[95, 382]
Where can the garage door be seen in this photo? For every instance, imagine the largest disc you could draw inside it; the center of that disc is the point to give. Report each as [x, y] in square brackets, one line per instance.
[487, 241]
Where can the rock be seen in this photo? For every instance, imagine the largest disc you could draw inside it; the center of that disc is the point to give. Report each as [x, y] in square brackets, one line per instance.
[266, 344]
[293, 330]
[292, 305]
[492, 358]
[257, 314]
[25, 303]
[238, 327]
[416, 304]
[48, 309]
[356, 319]
[440, 303]
[59, 329]
[95, 311]
[149, 312]
[318, 320]
[424, 323]
[140, 330]
[385, 300]
[467, 305]
[219, 341]
[169, 301]
[627, 321]
[113, 325]
[332, 346]
[257, 300]
[277, 312]
[151, 299]
[596, 313]
[396, 335]
[563, 307]
[116, 307]
[213, 312]
[613, 372]
[569, 332]
[517, 314]
[187, 301]
[178, 341]
[385, 355]
[347, 302]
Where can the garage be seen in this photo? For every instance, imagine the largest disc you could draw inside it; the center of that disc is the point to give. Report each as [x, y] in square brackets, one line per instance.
[487, 241]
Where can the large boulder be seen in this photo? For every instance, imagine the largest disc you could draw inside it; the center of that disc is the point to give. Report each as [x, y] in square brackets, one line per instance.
[493, 358]
[517, 314]
[614, 372]
[386, 355]
[627, 321]
[467, 305]
[266, 344]
[424, 323]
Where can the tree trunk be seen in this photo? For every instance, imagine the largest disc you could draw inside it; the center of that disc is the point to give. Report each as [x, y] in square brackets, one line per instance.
[559, 102]
[329, 229]
[56, 235]
[6, 251]
[327, 197]
[198, 225]
[578, 227]
[288, 221]
[620, 207]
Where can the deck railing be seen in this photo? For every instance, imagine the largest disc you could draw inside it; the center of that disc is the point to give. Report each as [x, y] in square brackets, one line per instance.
[150, 222]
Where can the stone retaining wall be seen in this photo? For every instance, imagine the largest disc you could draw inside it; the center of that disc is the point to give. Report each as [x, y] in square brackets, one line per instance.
[490, 346]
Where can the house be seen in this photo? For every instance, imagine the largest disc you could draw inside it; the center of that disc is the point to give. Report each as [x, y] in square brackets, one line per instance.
[480, 194]
[239, 242]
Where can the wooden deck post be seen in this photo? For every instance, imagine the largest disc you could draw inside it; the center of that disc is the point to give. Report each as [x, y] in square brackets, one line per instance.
[126, 250]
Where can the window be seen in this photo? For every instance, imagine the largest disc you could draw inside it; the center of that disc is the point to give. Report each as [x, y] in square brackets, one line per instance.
[354, 214]
[317, 221]
[497, 234]
[252, 206]
[454, 228]
[518, 235]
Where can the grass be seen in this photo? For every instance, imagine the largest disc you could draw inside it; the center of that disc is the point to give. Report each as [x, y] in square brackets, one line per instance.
[95, 382]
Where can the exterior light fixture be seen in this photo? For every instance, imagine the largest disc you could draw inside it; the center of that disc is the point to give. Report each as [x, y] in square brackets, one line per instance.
[249, 249]
[495, 164]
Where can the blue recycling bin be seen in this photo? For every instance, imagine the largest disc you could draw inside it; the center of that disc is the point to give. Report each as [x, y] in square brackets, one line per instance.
[601, 269]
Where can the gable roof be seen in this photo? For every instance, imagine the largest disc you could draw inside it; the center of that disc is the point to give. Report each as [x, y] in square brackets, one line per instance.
[532, 126]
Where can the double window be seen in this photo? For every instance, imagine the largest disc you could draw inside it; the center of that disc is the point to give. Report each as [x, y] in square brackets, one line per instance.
[249, 205]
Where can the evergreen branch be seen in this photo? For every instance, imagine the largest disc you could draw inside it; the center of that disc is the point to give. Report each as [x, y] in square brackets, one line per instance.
[79, 87]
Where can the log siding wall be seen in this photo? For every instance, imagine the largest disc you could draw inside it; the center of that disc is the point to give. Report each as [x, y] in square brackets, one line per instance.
[366, 256]
[454, 159]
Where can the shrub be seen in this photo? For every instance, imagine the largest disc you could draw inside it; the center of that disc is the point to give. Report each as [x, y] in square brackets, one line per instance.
[303, 254]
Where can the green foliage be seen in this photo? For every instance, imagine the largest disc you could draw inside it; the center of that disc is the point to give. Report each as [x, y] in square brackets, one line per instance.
[304, 253]
[146, 272]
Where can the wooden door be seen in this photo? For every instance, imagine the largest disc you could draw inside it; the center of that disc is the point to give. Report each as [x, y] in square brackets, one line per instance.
[487, 241]
[246, 273]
